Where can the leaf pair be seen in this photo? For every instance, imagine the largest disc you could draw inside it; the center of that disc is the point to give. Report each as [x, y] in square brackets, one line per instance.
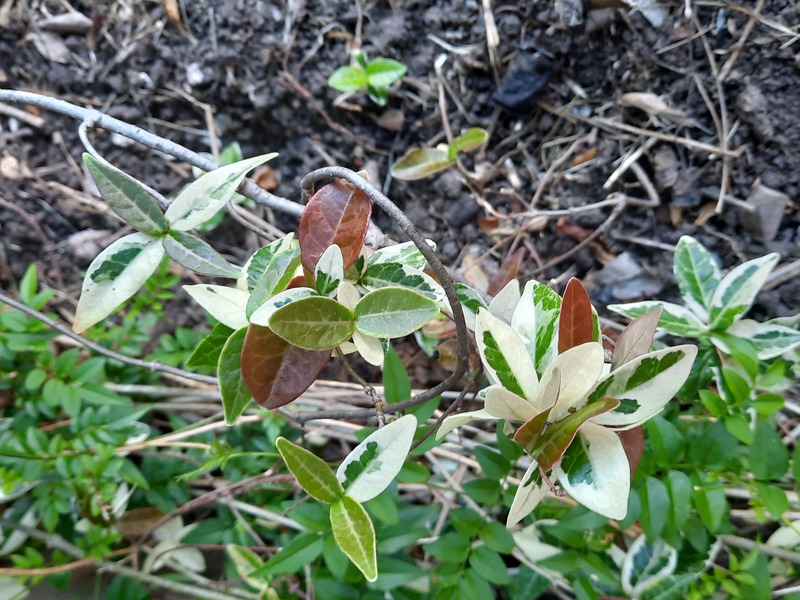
[121, 269]
[375, 75]
[363, 475]
[419, 163]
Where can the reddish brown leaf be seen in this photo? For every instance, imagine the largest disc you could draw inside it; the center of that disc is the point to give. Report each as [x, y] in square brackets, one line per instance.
[633, 444]
[529, 433]
[337, 214]
[507, 271]
[276, 372]
[300, 281]
[575, 324]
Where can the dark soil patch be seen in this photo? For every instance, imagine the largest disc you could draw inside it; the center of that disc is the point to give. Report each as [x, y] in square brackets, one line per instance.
[263, 67]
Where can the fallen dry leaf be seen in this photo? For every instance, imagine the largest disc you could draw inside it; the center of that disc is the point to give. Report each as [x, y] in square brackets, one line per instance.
[172, 10]
[651, 104]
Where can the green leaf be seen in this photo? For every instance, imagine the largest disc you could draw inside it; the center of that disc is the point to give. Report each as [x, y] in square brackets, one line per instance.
[375, 462]
[338, 214]
[396, 383]
[301, 551]
[383, 72]
[276, 372]
[497, 537]
[355, 534]
[595, 471]
[697, 274]
[488, 564]
[655, 507]
[470, 140]
[709, 501]
[737, 291]
[263, 313]
[329, 271]
[193, 253]
[393, 312]
[348, 79]
[114, 276]
[492, 463]
[473, 585]
[739, 427]
[767, 404]
[205, 196]
[450, 547]
[674, 319]
[127, 197]
[225, 304]
[312, 473]
[774, 499]
[714, 403]
[235, 395]
[207, 352]
[679, 487]
[666, 442]
[314, 323]
[419, 163]
[769, 458]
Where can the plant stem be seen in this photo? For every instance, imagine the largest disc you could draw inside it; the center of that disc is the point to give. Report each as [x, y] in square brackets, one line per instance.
[150, 140]
[151, 365]
[399, 217]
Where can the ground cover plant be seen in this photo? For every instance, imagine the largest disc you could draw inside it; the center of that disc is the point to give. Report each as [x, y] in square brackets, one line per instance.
[240, 394]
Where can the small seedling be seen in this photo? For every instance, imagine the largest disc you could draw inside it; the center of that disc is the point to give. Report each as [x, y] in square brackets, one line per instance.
[376, 75]
[419, 163]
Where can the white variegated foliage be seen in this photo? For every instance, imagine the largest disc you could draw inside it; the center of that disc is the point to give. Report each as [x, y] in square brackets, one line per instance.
[375, 462]
[227, 305]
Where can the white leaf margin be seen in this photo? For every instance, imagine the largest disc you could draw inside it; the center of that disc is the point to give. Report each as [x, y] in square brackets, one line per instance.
[659, 550]
[394, 442]
[226, 304]
[99, 299]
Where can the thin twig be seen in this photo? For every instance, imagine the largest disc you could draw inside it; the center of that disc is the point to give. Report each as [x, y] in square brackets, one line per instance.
[150, 140]
[151, 365]
[462, 352]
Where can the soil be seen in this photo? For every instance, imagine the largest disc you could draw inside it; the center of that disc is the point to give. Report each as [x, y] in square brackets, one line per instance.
[261, 68]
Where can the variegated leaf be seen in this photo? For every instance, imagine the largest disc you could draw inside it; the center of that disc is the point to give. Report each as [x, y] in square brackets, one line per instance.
[406, 253]
[675, 319]
[536, 321]
[769, 339]
[646, 564]
[471, 302]
[455, 421]
[383, 275]
[375, 462]
[277, 274]
[204, 197]
[579, 368]
[260, 261]
[644, 385]
[329, 271]
[263, 313]
[115, 275]
[697, 274]
[226, 305]
[505, 356]
[737, 291]
[506, 301]
[531, 490]
[595, 471]
[371, 349]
